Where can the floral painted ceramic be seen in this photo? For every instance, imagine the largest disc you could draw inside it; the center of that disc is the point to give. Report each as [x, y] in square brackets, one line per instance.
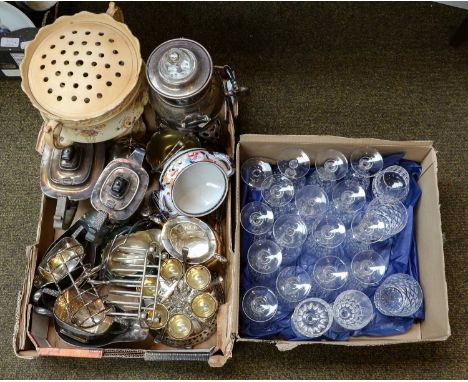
[178, 165]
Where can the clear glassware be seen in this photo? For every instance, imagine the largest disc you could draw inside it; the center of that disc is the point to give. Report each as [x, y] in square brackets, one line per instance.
[293, 163]
[331, 165]
[290, 231]
[259, 304]
[392, 211]
[311, 318]
[257, 218]
[365, 182]
[330, 273]
[264, 258]
[277, 190]
[311, 201]
[353, 310]
[366, 161]
[293, 284]
[255, 170]
[368, 267]
[349, 196]
[391, 183]
[326, 185]
[290, 255]
[328, 230]
[368, 228]
[400, 295]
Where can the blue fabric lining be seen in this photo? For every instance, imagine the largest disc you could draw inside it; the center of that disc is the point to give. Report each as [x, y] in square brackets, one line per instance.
[400, 251]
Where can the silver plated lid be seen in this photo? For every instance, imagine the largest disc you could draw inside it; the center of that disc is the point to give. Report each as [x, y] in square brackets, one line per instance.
[121, 187]
[72, 171]
[179, 68]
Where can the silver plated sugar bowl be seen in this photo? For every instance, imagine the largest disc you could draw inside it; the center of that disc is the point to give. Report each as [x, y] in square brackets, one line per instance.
[188, 93]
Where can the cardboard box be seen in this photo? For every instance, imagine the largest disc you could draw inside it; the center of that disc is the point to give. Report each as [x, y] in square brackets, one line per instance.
[12, 45]
[35, 335]
[428, 229]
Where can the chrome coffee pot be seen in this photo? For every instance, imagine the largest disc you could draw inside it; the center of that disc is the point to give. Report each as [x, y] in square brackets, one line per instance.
[188, 93]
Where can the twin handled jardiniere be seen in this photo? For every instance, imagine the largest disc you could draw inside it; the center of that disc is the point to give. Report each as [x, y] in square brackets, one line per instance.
[194, 183]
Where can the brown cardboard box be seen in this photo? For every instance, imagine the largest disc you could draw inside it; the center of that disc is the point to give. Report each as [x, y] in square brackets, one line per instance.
[35, 335]
[428, 229]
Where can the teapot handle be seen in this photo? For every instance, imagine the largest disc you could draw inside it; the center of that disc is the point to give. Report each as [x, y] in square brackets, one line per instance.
[225, 160]
[115, 12]
[52, 130]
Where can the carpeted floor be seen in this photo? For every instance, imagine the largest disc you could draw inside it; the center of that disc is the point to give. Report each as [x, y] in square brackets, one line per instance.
[352, 69]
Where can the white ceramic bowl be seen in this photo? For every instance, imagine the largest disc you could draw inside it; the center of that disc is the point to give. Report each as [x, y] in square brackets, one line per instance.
[199, 189]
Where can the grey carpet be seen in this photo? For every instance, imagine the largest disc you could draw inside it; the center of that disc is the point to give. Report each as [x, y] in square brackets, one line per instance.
[351, 69]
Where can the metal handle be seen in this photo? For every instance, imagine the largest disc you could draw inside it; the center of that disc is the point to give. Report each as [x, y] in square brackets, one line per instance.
[180, 355]
[220, 258]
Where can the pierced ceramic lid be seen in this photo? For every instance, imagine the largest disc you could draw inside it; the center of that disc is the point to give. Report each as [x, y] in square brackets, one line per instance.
[81, 66]
[179, 68]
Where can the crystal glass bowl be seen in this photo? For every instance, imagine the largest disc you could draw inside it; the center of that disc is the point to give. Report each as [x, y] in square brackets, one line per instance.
[353, 310]
[312, 318]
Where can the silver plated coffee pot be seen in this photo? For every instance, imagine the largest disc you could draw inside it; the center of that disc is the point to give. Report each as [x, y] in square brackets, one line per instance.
[188, 93]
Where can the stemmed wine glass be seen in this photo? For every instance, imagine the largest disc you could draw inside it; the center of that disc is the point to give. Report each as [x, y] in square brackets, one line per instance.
[255, 170]
[293, 163]
[257, 218]
[331, 165]
[277, 190]
[290, 231]
[366, 162]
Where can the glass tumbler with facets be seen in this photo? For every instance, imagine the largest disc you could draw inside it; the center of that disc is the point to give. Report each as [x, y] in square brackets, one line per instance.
[353, 310]
[366, 162]
[311, 318]
[293, 284]
[331, 165]
[391, 183]
[400, 295]
[277, 190]
[257, 218]
[293, 163]
[290, 231]
[255, 170]
[264, 258]
[393, 212]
